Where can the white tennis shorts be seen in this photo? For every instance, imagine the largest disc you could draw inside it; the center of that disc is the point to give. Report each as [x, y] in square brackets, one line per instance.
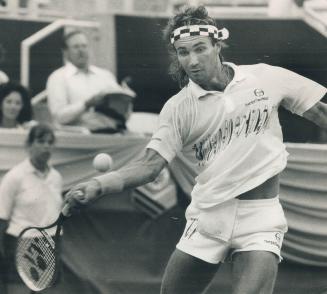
[236, 225]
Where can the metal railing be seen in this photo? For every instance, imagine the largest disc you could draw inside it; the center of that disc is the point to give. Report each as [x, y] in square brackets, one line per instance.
[27, 43]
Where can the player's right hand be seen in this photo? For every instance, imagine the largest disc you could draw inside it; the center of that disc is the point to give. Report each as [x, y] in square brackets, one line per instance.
[81, 195]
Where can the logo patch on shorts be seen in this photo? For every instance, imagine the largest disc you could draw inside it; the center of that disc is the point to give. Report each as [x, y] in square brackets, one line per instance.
[278, 237]
[276, 242]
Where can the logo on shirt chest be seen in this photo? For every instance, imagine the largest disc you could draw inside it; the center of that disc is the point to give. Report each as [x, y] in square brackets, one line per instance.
[259, 94]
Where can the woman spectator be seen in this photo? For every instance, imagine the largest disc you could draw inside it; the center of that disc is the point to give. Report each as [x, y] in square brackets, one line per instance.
[15, 105]
[30, 195]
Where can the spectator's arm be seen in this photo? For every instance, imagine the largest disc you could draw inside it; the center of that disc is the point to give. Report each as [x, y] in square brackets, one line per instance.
[9, 187]
[3, 228]
[58, 101]
[8, 190]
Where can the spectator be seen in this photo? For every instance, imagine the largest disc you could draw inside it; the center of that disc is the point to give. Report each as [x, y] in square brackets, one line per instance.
[78, 90]
[30, 195]
[15, 106]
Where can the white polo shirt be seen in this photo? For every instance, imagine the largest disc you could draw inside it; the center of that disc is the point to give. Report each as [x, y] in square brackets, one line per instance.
[232, 140]
[68, 88]
[28, 198]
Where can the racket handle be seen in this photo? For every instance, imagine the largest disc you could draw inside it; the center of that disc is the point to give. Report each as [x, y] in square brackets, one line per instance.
[65, 210]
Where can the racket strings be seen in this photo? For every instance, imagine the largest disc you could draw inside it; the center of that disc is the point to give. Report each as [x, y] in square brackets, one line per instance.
[35, 258]
[36, 265]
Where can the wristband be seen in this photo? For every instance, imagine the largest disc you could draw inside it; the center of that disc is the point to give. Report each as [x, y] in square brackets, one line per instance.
[111, 182]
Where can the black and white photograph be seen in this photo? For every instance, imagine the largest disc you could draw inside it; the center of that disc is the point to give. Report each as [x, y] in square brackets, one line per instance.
[163, 146]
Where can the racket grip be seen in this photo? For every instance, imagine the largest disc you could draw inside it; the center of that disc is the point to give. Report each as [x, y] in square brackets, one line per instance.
[65, 210]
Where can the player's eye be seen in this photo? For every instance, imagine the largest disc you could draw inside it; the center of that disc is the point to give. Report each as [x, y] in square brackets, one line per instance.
[200, 49]
[182, 53]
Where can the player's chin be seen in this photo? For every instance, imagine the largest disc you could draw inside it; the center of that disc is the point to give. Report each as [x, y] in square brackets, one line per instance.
[197, 78]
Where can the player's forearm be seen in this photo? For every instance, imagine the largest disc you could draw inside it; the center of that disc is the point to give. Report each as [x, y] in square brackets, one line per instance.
[318, 114]
[129, 177]
[322, 116]
[135, 174]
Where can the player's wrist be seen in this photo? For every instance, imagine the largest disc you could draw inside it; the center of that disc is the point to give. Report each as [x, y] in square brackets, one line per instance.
[96, 186]
[110, 183]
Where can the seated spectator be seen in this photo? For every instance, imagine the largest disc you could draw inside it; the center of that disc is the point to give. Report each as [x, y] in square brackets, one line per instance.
[78, 90]
[30, 195]
[15, 106]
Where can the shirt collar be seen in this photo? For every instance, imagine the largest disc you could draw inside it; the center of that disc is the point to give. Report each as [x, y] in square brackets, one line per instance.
[199, 92]
[71, 69]
[29, 168]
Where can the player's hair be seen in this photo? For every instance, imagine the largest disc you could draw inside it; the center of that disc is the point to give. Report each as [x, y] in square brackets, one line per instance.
[187, 15]
[69, 35]
[26, 112]
[39, 131]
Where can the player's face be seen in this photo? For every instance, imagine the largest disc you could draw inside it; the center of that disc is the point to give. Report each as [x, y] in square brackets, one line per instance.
[199, 58]
[11, 106]
[77, 51]
[41, 148]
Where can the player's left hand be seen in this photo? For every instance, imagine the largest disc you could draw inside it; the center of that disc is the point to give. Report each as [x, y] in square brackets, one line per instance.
[81, 195]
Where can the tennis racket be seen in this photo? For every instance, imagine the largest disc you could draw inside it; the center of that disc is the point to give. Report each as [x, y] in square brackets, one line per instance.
[37, 254]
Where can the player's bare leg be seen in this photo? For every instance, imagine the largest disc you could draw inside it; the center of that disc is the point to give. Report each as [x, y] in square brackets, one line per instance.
[254, 272]
[186, 274]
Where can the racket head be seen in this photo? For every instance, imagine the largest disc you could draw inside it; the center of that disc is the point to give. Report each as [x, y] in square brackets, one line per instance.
[37, 252]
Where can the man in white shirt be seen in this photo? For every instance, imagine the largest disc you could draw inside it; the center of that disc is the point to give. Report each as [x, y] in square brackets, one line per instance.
[77, 88]
[224, 124]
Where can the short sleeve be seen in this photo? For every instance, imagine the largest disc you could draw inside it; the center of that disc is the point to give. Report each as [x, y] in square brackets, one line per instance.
[299, 93]
[167, 139]
[8, 190]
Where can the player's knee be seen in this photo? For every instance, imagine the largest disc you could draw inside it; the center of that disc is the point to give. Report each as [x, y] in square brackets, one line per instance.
[254, 272]
[257, 286]
[186, 274]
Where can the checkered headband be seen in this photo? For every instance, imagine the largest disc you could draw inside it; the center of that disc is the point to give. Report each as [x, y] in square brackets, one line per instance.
[198, 30]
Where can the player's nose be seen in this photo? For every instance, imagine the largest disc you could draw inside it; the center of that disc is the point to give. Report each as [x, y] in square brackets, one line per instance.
[193, 59]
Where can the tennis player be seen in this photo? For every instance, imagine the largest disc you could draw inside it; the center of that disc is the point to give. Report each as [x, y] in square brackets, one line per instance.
[224, 123]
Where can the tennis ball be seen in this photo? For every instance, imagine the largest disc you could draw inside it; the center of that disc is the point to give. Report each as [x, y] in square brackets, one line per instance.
[102, 162]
